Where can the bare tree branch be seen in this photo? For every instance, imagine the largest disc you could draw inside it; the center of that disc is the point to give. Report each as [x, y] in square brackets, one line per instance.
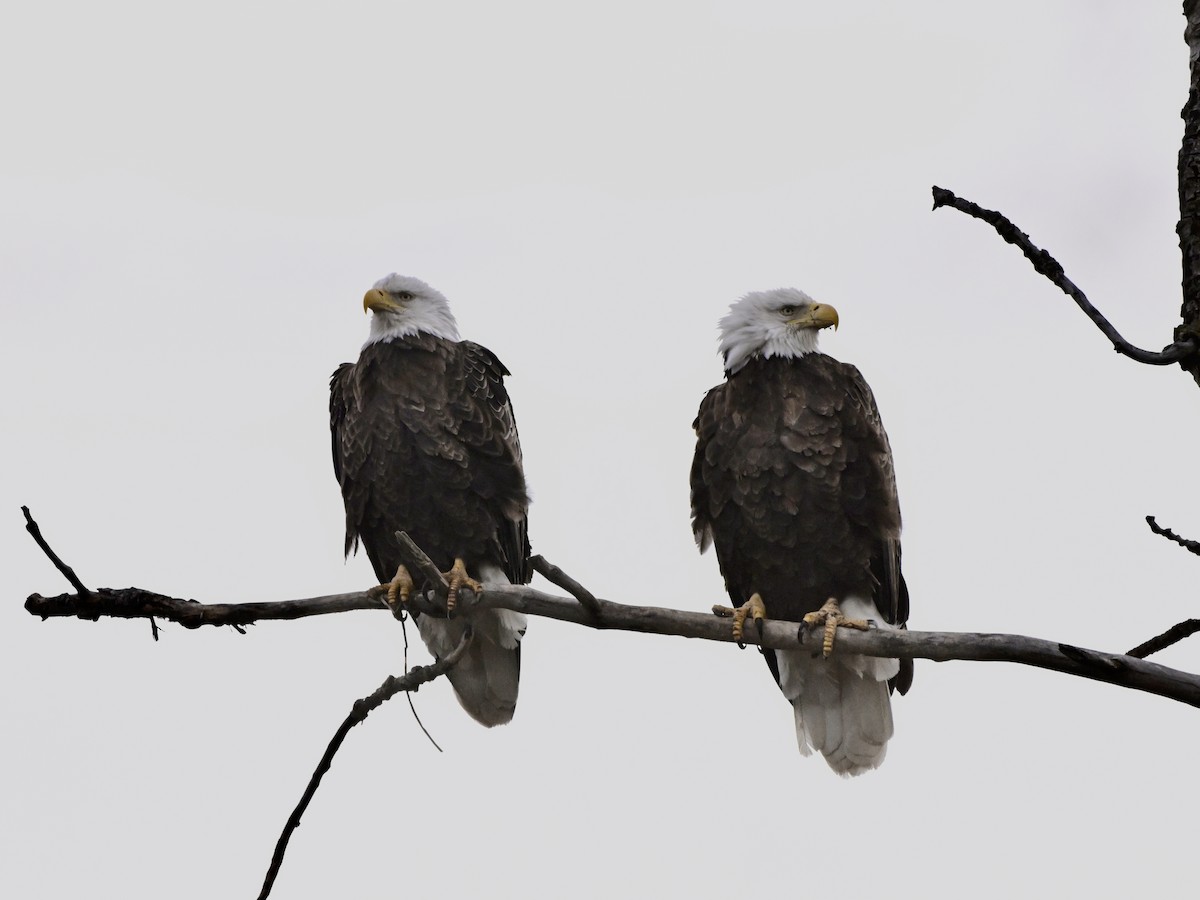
[559, 578]
[36, 532]
[1189, 192]
[1193, 546]
[1118, 669]
[136, 603]
[1172, 635]
[412, 680]
[1184, 347]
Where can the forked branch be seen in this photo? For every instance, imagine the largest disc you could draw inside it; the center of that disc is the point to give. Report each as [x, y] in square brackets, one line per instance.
[412, 680]
[585, 609]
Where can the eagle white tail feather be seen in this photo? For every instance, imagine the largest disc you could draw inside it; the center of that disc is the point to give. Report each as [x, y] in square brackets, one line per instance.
[842, 705]
[486, 677]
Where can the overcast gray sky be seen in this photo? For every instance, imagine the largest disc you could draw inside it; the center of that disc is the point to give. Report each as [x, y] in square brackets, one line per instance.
[194, 202]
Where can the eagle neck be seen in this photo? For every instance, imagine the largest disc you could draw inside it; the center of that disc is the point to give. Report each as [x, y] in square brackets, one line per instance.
[761, 365]
[417, 340]
[422, 341]
[436, 322]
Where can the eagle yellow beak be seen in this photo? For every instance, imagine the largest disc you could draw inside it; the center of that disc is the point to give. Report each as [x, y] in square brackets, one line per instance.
[819, 315]
[375, 299]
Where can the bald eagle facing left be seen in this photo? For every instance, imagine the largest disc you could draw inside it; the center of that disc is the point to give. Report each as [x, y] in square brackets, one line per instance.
[424, 441]
[792, 483]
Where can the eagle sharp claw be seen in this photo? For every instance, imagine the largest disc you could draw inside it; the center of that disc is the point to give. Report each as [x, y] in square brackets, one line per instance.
[457, 578]
[754, 608]
[397, 591]
[830, 615]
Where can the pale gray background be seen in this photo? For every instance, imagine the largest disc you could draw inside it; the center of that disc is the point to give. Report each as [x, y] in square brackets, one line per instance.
[195, 200]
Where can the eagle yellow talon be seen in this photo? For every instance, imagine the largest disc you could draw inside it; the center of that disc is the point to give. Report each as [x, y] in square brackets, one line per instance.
[830, 615]
[753, 607]
[395, 592]
[457, 578]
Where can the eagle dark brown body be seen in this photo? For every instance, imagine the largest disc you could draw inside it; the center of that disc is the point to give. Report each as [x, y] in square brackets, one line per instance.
[792, 483]
[424, 441]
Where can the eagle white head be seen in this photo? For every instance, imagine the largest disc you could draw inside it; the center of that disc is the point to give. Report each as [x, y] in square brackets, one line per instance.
[404, 306]
[782, 322]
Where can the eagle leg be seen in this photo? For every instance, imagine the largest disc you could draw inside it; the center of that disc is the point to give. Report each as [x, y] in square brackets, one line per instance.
[830, 615]
[458, 578]
[753, 607]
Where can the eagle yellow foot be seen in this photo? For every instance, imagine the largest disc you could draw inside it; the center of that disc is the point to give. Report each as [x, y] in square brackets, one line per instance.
[830, 615]
[458, 578]
[753, 607]
[396, 592]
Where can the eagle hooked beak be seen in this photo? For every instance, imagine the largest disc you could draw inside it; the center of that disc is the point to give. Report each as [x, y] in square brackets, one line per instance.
[380, 301]
[819, 315]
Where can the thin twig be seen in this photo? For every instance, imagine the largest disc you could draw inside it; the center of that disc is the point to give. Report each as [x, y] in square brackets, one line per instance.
[1193, 546]
[362, 708]
[68, 573]
[559, 578]
[408, 694]
[1047, 265]
[1172, 635]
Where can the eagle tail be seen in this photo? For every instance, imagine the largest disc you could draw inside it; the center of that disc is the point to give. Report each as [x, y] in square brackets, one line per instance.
[842, 704]
[485, 679]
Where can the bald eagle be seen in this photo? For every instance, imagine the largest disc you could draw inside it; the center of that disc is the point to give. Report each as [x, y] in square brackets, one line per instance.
[792, 482]
[424, 441]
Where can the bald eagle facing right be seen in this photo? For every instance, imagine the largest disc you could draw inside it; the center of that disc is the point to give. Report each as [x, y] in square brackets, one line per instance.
[792, 483]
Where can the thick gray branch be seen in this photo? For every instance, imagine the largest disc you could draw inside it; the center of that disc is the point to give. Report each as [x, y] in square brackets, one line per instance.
[1113, 668]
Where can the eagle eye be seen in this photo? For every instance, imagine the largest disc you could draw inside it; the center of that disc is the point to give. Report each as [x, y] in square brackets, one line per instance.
[404, 295]
[788, 311]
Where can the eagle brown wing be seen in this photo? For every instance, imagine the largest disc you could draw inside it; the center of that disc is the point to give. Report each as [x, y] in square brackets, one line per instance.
[488, 426]
[879, 508]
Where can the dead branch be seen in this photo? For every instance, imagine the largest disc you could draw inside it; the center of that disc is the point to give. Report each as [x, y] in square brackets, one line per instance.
[559, 578]
[36, 533]
[409, 682]
[1184, 347]
[1193, 546]
[1172, 635]
[136, 603]
[1113, 668]
[1189, 192]
[1125, 670]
